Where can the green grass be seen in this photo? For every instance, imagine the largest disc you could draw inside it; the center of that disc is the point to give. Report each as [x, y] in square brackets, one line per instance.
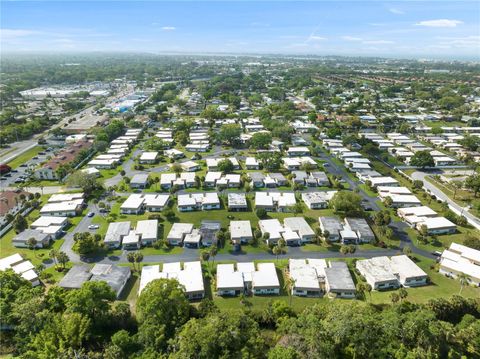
[24, 157]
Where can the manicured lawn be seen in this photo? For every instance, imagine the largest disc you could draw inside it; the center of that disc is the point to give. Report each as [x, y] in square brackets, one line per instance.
[367, 190]
[24, 157]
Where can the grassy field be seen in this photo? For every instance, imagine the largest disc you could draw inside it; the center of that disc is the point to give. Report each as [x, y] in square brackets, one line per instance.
[24, 157]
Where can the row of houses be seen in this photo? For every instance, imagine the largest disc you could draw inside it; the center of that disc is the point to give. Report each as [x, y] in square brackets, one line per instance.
[294, 231]
[459, 259]
[117, 151]
[20, 266]
[316, 277]
[185, 234]
[350, 230]
[189, 276]
[121, 234]
[389, 273]
[247, 278]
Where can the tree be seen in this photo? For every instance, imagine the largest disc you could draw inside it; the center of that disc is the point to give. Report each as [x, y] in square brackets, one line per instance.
[85, 243]
[281, 352]
[423, 231]
[270, 161]
[394, 297]
[213, 252]
[422, 159]
[177, 168]
[230, 134]
[32, 244]
[276, 251]
[261, 213]
[402, 293]
[138, 257]
[407, 251]
[464, 279]
[288, 286]
[93, 300]
[87, 182]
[205, 255]
[20, 223]
[131, 259]
[53, 255]
[344, 249]
[219, 335]
[225, 166]
[417, 184]
[473, 183]
[161, 309]
[62, 258]
[261, 140]
[456, 186]
[347, 202]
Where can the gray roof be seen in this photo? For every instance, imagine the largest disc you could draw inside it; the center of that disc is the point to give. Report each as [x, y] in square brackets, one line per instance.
[338, 276]
[256, 176]
[331, 224]
[300, 175]
[319, 175]
[141, 178]
[277, 176]
[115, 276]
[75, 277]
[208, 230]
[360, 225]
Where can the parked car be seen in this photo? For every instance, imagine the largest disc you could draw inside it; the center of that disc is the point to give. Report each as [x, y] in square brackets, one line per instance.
[90, 214]
[93, 226]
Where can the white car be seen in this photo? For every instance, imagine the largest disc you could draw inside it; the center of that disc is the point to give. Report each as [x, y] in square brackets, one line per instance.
[93, 226]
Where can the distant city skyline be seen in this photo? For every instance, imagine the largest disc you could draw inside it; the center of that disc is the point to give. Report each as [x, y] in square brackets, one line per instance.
[442, 29]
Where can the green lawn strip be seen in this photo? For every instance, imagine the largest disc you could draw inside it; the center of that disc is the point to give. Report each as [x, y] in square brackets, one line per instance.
[24, 157]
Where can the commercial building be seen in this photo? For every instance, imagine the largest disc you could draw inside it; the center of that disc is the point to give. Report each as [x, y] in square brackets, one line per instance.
[190, 277]
[459, 259]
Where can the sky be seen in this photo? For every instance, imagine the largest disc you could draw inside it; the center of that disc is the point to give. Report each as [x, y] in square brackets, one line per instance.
[408, 29]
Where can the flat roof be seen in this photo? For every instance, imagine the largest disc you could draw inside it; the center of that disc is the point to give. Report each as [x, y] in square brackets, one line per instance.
[141, 178]
[148, 229]
[75, 277]
[240, 229]
[338, 276]
[237, 199]
[228, 278]
[304, 275]
[179, 230]
[299, 225]
[438, 222]
[265, 276]
[116, 230]
[377, 268]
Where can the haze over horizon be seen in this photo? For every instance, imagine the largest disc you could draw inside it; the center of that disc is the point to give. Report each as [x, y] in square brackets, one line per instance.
[442, 30]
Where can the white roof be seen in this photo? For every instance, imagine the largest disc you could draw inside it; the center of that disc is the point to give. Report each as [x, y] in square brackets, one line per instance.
[134, 201]
[299, 225]
[281, 199]
[237, 199]
[131, 238]
[385, 190]
[405, 267]
[438, 222]
[377, 181]
[376, 269]
[7, 262]
[265, 276]
[148, 229]
[397, 198]
[227, 277]
[421, 211]
[178, 230]
[304, 275]
[240, 229]
[46, 221]
[62, 206]
[65, 197]
[347, 233]
[271, 226]
[148, 156]
[251, 161]
[212, 176]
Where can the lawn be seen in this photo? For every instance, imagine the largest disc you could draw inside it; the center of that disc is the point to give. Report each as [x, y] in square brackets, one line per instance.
[24, 157]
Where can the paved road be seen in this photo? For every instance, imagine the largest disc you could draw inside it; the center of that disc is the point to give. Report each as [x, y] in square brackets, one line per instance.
[430, 187]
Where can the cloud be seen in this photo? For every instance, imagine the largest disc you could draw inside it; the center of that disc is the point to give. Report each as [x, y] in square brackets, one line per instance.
[396, 11]
[16, 33]
[439, 23]
[351, 38]
[316, 38]
[169, 28]
[377, 42]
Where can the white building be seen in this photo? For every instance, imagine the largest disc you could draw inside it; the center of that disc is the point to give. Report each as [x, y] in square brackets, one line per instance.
[461, 259]
[20, 266]
[178, 232]
[240, 231]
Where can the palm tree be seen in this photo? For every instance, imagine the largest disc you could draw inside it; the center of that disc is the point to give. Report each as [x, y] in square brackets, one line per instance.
[138, 257]
[288, 285]
[32, 244]
[276, 250]
[368, 288]
[213, 252]
[361, 289]
[205, 256]
[62, 258]
[131, 259]
[53, 255]
[464, 280]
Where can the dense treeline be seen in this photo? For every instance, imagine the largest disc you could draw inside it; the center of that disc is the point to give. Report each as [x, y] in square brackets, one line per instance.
[89, 323]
